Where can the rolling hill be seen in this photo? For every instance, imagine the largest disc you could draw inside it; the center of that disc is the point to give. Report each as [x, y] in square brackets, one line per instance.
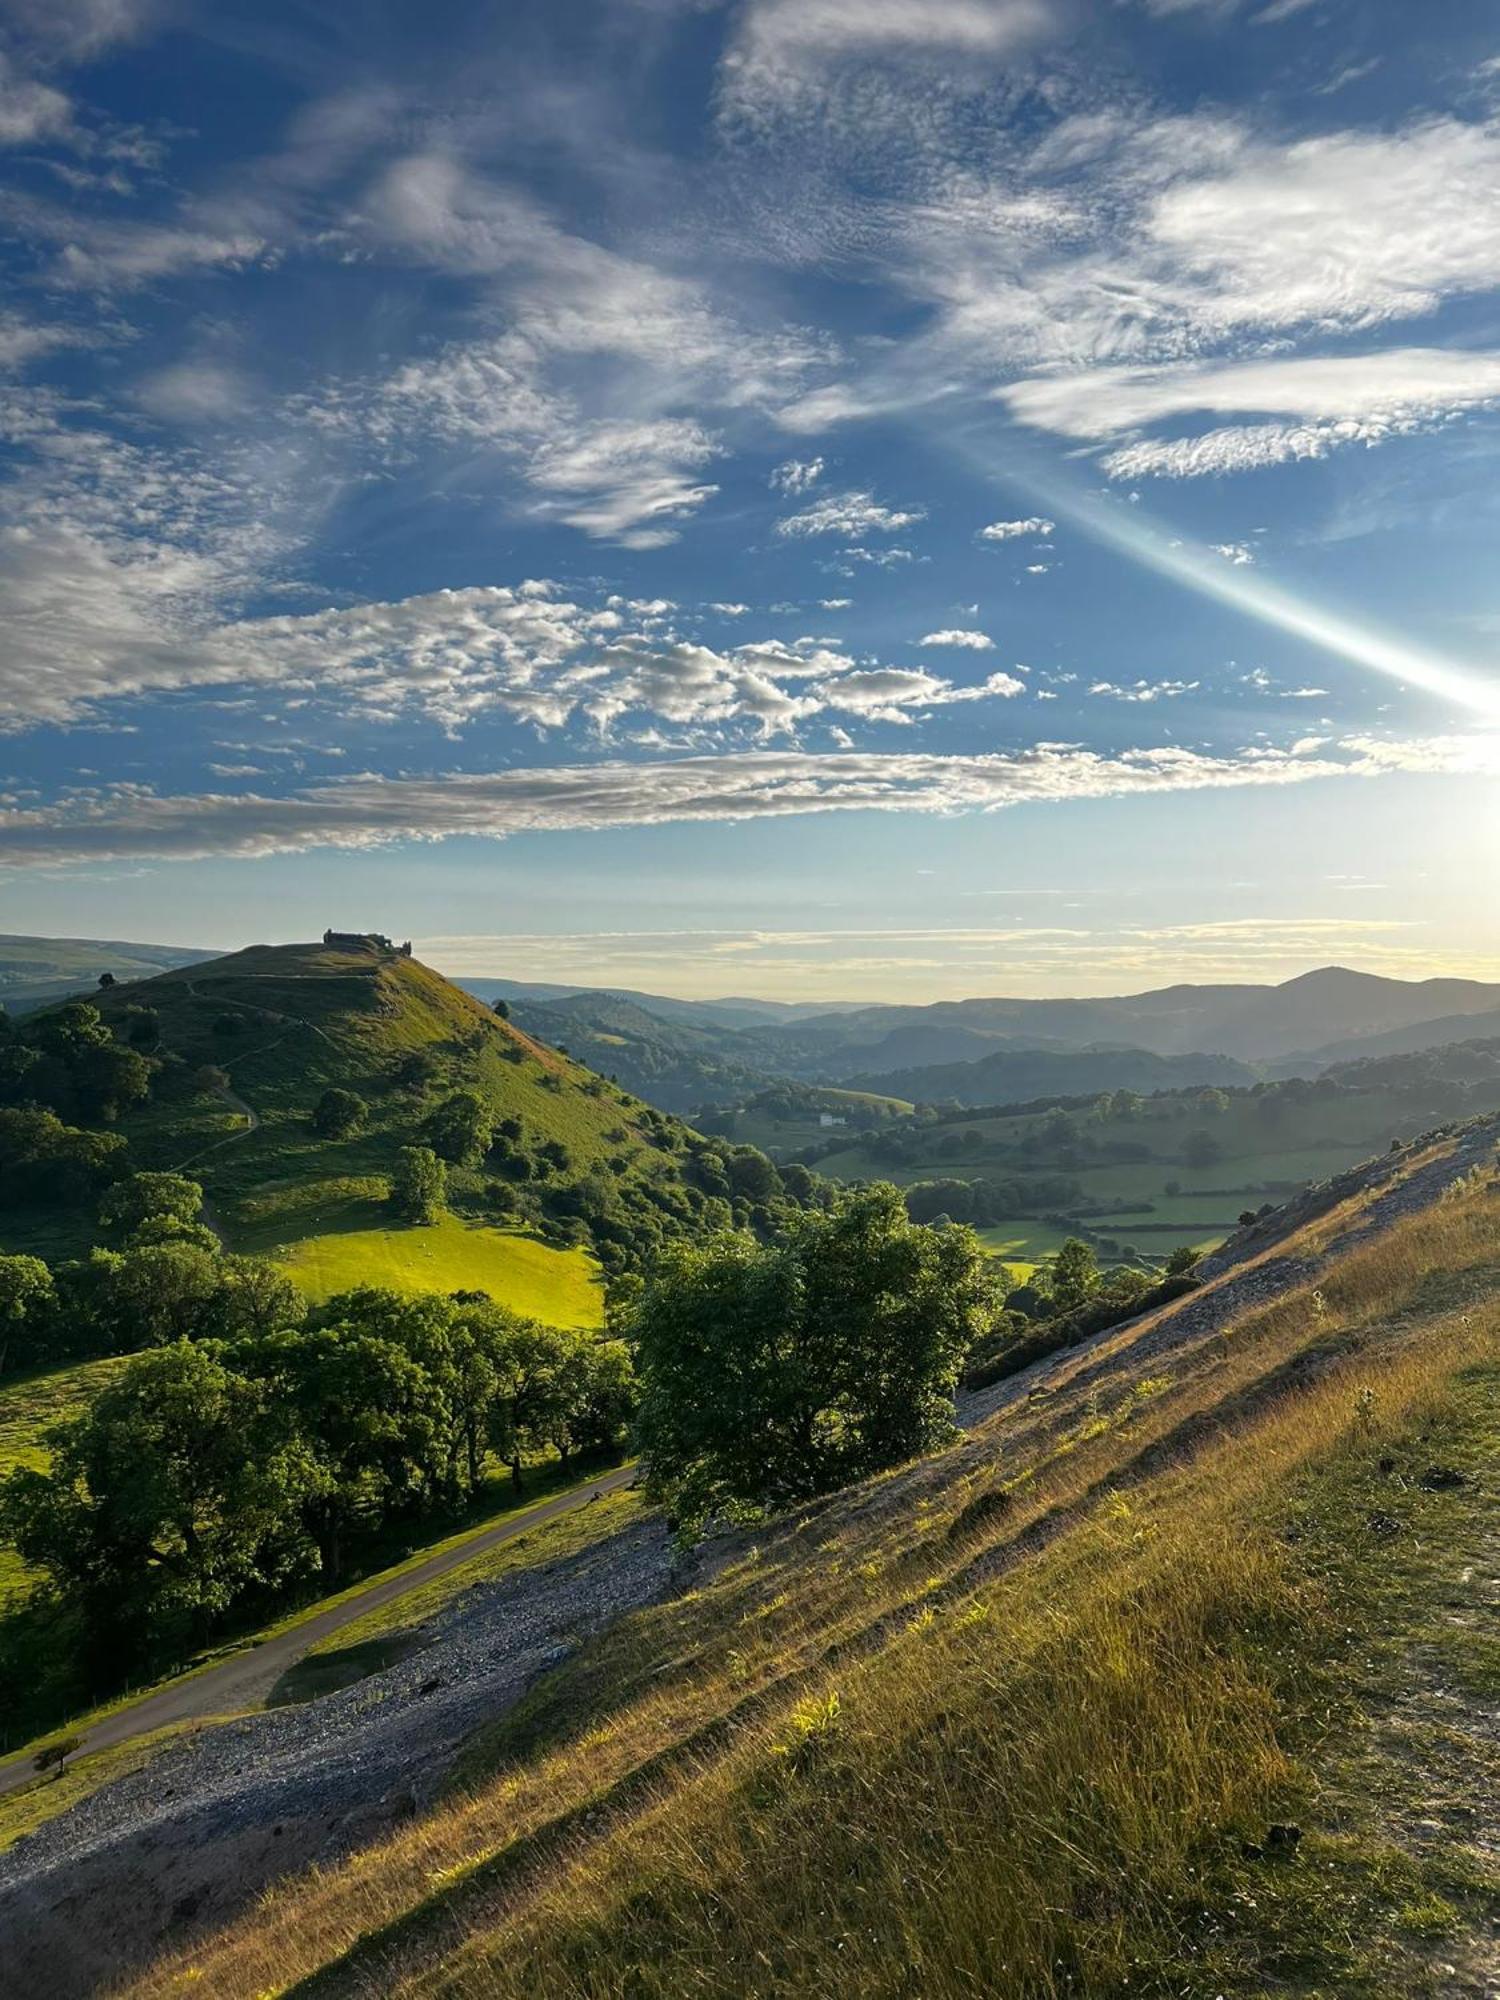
[1014, 1076]
[34, 971]
[1249, 1023]
[1297, 1028]
[246, 1046]
[680, 1065]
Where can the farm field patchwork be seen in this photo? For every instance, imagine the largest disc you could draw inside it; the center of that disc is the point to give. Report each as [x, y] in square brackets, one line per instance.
[1265, 1148]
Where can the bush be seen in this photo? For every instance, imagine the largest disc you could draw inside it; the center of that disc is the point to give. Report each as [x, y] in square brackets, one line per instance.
[338, 1114]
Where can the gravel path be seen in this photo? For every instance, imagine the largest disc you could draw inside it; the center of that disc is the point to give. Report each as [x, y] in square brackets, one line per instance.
[246, 1680]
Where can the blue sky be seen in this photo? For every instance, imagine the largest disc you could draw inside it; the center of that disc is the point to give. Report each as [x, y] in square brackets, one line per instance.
[833, 498]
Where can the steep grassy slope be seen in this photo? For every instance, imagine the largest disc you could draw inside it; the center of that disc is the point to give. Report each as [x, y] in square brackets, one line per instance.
[1022, 1718]
[284, 1023]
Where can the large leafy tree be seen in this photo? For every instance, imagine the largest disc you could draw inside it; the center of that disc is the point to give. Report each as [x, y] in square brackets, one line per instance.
[148, 1197]
[371, 1418]
[773, 1373]
[419, 1186]
[28, 1311]
[177, 1492]
[338, 1114]
[460, 1128]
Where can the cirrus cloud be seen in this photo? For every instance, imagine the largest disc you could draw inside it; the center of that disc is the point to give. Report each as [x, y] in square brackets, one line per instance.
[371, 810]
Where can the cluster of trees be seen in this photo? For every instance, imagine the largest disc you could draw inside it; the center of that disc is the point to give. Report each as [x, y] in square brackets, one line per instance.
[168, 1279]
[984, 1201]
[44, 1162]
[773, 1371]
[790, 1103]
[212, 1471]
[68, 1061]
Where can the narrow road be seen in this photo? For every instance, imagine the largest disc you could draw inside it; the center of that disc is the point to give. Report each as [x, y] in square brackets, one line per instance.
[244, 1681]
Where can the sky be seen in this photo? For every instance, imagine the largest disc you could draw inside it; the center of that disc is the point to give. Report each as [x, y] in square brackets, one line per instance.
[838, 499]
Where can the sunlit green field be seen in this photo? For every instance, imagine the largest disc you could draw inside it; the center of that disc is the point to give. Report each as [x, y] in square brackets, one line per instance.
[561, 1287]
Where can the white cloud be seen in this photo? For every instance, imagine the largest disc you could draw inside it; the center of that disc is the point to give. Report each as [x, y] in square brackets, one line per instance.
[849, 514]
[29, 109]
[93, 617]
[978, 642]
[1142, 690]
[601, 379]
[193, 392]
[1238, 554]
[1333, 400]
[1010, 531]
[74, 30]
[796, 475]
[371, 810]
[873, 558]
[1108, 257]
[104, 252]
[787, 52]
[24, 340]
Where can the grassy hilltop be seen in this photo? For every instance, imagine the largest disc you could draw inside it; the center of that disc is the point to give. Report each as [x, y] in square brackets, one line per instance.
[248, 1044]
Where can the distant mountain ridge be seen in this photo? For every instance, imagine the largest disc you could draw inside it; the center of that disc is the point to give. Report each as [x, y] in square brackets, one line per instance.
[1017, 1076]
[34, 970]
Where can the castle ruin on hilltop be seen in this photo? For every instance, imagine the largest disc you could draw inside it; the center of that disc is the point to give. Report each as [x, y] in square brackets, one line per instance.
[366, 941]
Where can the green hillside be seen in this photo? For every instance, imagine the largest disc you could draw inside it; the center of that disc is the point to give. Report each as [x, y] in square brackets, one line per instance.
[678, 1065]
[569, 1175]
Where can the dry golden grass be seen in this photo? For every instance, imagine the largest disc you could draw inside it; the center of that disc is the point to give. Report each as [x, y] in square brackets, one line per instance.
[914, 1743]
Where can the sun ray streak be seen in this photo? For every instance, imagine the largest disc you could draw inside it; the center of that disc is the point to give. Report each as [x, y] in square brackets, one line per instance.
[1136, 535]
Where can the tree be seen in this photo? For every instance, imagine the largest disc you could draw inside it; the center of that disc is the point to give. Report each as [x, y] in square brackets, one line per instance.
[338, 1114]
[770, 1373]
[177, 1492]
[459, 1129]
[28, 1311]
[143, 1027]
[1202, 1149]
[1075, 1275]
[370, 1417]
[53, 1757]
[150, 1197]
[109, 1079]
[148, 1295]
[502, 1008]
[106, 980]
[47, 1161]
[419, 1186]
